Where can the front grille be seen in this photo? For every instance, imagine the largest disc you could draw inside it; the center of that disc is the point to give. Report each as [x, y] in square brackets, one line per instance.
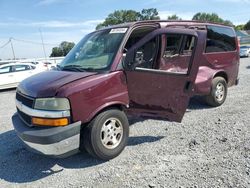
[25, 100]
[26, 118]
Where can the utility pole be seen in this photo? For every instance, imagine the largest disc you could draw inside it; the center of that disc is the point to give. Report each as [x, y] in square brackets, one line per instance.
[43, 43]
[12, 48]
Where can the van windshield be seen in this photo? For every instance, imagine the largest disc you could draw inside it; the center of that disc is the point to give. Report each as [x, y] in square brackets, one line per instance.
[95, 52]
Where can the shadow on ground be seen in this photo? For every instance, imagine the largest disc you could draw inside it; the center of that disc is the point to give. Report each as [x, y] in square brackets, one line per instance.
[12, 90]
[17, 165]
[197, 103]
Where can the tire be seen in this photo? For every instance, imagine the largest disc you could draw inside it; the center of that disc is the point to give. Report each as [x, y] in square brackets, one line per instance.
[218, 92]
[106, 135]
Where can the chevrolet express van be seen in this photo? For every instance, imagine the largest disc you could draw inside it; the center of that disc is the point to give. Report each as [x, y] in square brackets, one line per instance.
[148, 69]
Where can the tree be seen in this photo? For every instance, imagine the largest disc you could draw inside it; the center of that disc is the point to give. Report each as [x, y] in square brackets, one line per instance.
[63, 49]
[247, 26]
[66, 47]
[174, 17]
[118, 17]
[201, 16]
[240, 27]
[124, 16]
[149, 14]
[228, 22]
[56, 52]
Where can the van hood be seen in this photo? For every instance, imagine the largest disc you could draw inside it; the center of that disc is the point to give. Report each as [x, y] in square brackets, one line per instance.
[46, 84]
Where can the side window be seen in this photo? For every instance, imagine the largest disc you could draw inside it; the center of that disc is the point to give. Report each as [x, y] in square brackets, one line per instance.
[145, 56]
[188, 45]
[5, 70]
[18, 68]
[137, 35]
[173, 45]
[220, 39]
[178, 50]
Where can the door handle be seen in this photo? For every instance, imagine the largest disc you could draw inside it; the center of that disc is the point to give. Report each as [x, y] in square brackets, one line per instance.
[10, 75]
[188, 86]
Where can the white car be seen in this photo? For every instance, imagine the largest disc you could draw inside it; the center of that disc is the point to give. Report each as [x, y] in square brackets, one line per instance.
[244, 51]
[40, 65]
[13, 73]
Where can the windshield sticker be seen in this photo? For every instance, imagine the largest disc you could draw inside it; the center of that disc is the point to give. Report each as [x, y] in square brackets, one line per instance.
[118, 30]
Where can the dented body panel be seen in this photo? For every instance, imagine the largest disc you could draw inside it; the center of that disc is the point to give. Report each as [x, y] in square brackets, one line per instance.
[95, 93]
[133, 67]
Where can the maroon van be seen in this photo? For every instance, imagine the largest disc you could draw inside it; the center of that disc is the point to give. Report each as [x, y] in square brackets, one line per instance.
[148, 69]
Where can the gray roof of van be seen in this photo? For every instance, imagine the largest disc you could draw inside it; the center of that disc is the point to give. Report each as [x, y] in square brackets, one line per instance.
[170, 22]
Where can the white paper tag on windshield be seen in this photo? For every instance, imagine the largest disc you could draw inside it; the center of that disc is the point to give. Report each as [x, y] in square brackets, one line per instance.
[118, 30]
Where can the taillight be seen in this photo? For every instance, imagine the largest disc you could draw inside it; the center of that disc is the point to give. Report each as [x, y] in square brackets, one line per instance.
[238, 43]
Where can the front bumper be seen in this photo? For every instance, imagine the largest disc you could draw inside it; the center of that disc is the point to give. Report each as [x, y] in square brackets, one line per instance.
[52, 141]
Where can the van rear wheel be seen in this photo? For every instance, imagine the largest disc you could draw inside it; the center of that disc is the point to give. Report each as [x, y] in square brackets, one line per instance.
[218, 92]
[106, 135]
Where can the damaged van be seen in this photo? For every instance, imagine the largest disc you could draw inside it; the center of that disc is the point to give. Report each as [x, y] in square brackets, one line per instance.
[147, 69]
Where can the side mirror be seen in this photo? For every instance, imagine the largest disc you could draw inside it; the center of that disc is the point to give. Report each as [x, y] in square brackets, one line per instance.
[129, 60]
[133, 59]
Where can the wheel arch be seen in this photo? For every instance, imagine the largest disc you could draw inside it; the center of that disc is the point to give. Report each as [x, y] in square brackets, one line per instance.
[222, 74]
[113, 105]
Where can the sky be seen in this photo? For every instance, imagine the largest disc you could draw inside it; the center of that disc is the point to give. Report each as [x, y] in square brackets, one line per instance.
[28, 21]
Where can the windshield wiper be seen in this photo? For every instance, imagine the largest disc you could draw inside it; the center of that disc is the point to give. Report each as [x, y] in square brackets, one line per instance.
[77, 68]
[90, 69]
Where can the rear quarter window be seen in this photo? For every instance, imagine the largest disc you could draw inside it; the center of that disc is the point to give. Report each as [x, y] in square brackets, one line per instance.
[220, 39]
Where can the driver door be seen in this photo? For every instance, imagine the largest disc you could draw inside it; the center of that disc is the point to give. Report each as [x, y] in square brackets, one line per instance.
[155, 92]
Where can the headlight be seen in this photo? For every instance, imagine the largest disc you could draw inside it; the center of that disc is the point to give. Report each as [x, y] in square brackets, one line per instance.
[52, 104]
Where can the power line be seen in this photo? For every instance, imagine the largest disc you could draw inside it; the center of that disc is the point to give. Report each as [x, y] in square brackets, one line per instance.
[5, 44]
[33, 42]
[3, 51]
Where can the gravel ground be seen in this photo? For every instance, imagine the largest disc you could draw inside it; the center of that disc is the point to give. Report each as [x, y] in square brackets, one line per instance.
[210, 148]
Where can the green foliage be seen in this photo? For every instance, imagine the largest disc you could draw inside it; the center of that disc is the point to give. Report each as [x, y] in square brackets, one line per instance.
[56, 52]
[118, 17]
[149, 14]
[174, 17]
[63, 49]
[124, 16]
[240, 27]
[201, 16]
[247, 26]
[66, 47]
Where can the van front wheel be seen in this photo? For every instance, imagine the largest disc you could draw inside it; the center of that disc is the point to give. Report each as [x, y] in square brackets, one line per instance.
[106, 135]
[218, 92]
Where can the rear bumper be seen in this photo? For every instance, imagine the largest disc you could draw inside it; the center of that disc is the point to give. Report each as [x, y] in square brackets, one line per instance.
[52, 141]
